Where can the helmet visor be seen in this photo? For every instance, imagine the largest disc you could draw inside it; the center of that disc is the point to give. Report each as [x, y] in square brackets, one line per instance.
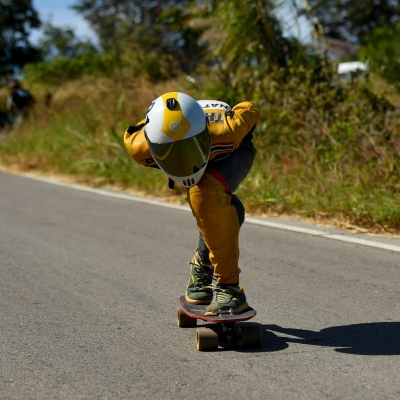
[183, 157]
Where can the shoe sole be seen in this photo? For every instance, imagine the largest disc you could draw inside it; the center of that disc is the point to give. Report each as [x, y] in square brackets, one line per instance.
[205, 302]
[242, 308]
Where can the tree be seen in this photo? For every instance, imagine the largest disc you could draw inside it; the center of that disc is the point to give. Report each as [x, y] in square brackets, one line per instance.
[182, 36]
[246, 43]
[250, 33]
[156, 34]
[170, 37]
[353, 19]
[58, 41]
[17, 19]
[382, 51]
[106, 17]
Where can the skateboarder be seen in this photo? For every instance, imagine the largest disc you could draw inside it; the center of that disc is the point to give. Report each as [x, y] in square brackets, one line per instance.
[205, 146]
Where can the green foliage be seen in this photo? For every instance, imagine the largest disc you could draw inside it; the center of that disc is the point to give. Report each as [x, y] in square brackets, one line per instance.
[252, 36]
[62, 42]
[155, 68]
[80, 136]
[184, 36]
[17, 19]
[234, 38]
[61, 69]
[382, 50]
[136, 28]
[353, 19]
[245, 43]
[325, 148]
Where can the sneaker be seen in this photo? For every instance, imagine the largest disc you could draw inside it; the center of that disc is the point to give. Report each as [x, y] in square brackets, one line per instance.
[227, 298]
[199, 289]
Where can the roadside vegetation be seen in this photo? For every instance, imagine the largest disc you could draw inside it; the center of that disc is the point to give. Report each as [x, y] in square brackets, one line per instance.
[328, 149]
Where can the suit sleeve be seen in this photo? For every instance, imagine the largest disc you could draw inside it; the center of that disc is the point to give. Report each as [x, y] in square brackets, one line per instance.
[137, 146]
[245, 117]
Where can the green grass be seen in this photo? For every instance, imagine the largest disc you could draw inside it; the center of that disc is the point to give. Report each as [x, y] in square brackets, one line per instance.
[318, 157]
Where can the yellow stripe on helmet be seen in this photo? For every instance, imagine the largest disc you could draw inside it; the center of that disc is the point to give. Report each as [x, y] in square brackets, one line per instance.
[175, 125]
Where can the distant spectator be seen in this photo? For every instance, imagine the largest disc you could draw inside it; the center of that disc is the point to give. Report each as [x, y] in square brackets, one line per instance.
[19, 102]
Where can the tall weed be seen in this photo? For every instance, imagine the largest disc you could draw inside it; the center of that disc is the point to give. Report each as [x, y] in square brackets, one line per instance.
[326, 150]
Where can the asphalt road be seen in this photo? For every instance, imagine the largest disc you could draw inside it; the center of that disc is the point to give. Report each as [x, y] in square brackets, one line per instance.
[88, 298]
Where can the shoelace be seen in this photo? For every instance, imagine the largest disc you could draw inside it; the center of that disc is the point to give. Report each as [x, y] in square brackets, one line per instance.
[222, 294]
[203, 276]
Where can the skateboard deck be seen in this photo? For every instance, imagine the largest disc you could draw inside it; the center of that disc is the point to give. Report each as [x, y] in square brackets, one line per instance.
[222, 331]
[198, 311]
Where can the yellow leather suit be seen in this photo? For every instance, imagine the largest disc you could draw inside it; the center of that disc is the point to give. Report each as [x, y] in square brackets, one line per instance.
[219, 213]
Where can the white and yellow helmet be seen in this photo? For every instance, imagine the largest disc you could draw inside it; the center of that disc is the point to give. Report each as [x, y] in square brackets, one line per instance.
[178, 137]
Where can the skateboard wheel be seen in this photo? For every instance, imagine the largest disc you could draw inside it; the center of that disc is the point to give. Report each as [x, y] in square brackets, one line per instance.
[250, 337]
[184, 320]
[206, 339]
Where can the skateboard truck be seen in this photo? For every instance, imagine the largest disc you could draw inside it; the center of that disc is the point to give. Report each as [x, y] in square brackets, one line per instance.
[222, 329]
[230, 312]
[228, 333]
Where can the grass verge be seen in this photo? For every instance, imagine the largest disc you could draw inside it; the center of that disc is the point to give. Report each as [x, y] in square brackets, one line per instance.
[320, 158]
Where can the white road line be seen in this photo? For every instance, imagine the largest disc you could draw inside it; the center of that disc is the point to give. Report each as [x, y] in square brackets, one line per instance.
[364, 242]
[278, 225]
[287, 227]
[325, 234]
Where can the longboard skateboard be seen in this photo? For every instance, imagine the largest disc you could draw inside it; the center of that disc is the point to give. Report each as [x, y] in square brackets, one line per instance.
[223, 331]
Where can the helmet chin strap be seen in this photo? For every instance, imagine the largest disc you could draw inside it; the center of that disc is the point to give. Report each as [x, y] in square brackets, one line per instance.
[171, 184]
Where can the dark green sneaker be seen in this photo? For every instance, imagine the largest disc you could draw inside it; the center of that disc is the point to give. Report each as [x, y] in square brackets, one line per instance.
[227, 298]
[199, 290]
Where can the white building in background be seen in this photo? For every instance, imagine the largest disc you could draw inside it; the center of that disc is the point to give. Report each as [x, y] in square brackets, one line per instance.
[347, 70]
[354, 66]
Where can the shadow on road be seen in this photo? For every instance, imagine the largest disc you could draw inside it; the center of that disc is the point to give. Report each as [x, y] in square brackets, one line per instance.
[373, 339]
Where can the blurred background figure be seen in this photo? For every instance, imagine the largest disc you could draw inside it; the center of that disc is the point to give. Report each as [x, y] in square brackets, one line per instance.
[19, 103]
